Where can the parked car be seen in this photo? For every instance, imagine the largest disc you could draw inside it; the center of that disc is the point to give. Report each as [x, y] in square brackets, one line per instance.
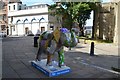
[3, 34]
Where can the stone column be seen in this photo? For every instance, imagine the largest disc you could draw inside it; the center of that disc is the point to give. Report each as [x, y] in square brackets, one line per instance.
[117, 24]
[101, 24]
[96, 22]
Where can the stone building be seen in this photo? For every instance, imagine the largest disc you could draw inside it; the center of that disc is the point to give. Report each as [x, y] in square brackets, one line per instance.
[107, 21]
[34, 18]
[3, 16]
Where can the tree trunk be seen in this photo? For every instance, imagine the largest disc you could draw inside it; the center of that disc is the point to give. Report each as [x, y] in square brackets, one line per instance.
[93, 25]
[81, 29]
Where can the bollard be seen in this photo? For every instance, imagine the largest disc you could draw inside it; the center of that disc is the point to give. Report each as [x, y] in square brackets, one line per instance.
[92, 49]
[85, 41]
[35, 41]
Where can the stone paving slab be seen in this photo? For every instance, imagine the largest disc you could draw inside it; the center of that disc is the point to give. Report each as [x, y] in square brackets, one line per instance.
[19, 51]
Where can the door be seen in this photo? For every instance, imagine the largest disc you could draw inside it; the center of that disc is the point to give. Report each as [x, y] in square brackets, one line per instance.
[42, 29]
[26, 30]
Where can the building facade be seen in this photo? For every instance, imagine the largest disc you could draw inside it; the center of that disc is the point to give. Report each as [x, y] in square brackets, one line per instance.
[107, 21]
[3, 16]
[22, 18]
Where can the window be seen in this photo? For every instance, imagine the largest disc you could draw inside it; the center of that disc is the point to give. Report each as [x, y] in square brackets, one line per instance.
[19, 7]
[14, 7]
[3, 27]
[9, 7]
[11, 19]
[42, 6]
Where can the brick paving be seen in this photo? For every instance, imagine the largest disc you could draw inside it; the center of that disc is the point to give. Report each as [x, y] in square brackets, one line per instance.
[19, 51]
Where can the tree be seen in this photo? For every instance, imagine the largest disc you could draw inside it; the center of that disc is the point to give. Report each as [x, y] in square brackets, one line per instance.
[83, 13]
[95, 5]
[65, 11]
[73, 12]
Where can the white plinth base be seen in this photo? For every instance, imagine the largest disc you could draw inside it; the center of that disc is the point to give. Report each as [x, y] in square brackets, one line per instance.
[50, 71]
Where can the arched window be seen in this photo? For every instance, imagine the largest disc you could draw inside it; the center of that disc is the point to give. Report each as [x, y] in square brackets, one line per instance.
[41, 19]
[33, 20]
[18, 21]
[25, 20]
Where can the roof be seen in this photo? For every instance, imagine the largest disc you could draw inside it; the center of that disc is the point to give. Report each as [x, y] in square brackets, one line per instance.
[15, 1]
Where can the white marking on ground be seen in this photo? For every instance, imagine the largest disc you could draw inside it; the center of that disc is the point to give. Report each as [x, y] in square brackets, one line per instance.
[98, 67]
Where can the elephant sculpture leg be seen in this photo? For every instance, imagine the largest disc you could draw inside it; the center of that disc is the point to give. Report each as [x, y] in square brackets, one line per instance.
[49, 57]
[41, 49]
[61, 57]
[38, 56]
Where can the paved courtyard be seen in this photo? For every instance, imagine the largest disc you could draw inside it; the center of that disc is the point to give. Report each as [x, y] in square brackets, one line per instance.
[19, 51]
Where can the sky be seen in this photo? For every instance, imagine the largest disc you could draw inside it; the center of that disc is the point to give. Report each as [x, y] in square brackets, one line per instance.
[31, 2]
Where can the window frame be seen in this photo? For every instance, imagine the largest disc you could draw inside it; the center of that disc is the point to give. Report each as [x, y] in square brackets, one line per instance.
[14, 7]
[9, 7]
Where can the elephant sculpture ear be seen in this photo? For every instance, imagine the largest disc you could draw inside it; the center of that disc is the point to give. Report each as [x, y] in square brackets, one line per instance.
[56, 34]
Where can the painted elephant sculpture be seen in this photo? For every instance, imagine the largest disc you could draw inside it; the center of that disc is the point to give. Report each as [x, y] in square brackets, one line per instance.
[53, 41]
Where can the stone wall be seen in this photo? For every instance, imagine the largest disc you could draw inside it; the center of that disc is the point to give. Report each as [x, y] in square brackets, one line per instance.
[106, 22]
[117, 24]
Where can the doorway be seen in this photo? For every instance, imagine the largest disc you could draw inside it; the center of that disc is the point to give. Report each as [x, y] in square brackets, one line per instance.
[42, 29]
[26, 30]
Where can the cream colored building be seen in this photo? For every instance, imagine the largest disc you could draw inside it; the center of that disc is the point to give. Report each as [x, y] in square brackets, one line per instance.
[34, 18]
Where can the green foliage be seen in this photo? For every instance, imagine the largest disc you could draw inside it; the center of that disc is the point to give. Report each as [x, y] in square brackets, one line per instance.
[72, 12]
[83, 13]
